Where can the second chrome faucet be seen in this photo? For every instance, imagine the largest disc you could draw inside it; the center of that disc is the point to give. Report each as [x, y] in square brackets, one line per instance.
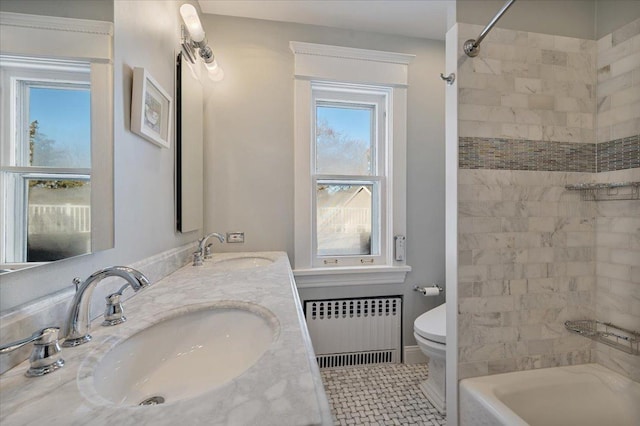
[204, 250]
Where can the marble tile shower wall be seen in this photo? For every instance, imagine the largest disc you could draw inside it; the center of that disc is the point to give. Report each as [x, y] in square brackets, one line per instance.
[527, 87]
[526, 265]
[526, 244]
[618, 222]
[618, 99]
[618, 89]
[618, 271]
[531, 253]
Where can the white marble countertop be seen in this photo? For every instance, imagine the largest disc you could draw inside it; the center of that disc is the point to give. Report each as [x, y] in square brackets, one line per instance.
[283, 387]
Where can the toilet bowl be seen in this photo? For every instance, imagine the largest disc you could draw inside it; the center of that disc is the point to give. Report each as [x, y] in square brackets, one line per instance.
[429, 329]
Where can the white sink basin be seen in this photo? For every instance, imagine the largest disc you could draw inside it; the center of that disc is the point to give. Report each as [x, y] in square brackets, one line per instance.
[242, 263]
[186, 355]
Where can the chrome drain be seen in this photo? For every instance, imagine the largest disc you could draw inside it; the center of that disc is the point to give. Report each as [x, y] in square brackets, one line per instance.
[154, 400]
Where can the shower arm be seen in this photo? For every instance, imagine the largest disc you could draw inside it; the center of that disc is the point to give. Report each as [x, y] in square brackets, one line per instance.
[471, 46]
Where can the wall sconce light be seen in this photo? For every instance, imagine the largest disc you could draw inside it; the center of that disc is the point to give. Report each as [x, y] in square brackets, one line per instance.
[194, 39]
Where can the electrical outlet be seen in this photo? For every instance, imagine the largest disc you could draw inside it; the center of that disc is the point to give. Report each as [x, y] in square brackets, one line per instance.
[235, 237]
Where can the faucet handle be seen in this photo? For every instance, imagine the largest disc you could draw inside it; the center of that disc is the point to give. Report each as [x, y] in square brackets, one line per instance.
[42, 336]
[45, 357]
[114, 312]
[207, 251]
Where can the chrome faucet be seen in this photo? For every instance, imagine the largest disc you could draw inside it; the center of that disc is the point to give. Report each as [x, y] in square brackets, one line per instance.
[76, 330]
[204, 250]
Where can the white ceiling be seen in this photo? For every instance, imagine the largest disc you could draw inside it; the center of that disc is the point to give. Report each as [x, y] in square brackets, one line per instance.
[416, 18]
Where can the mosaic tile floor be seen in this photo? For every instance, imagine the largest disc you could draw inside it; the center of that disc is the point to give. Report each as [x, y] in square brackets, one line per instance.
[385, 394]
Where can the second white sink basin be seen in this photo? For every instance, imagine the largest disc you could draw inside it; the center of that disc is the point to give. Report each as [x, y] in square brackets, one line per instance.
[186, 355]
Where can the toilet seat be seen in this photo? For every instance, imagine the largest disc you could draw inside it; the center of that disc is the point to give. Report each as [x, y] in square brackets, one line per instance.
[432, 325]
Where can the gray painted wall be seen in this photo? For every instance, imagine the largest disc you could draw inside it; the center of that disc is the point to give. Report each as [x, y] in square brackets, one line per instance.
[613, 14]
[144, 173]
[571, 18]
[99, 10]
[249, 146]
[590, 19]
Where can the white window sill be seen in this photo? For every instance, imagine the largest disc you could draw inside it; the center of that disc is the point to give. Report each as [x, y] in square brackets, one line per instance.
[350, 275]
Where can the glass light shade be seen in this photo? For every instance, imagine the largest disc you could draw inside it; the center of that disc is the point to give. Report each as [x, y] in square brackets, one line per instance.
[192, 21]
[215, 71]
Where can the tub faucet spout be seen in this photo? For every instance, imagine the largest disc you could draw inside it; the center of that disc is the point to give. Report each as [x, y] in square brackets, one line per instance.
[76, 330]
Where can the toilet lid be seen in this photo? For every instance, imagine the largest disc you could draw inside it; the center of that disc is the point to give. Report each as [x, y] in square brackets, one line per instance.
[432, 325]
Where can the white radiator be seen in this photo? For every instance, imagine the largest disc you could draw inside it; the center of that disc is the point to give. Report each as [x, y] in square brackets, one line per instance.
[348, 332]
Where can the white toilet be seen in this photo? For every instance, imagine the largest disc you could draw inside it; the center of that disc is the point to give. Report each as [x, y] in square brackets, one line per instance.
[429, 329]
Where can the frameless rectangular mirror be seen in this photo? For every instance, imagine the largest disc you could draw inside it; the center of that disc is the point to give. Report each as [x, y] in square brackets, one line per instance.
[189, 148]
[56, 117]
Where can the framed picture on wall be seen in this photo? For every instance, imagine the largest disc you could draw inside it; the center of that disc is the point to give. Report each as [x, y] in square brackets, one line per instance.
[150, 109]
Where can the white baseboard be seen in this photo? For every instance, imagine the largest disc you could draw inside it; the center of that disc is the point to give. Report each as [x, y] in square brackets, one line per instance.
[413, 355]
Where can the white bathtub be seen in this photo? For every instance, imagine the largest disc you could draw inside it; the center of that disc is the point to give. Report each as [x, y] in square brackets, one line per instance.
[585, 395]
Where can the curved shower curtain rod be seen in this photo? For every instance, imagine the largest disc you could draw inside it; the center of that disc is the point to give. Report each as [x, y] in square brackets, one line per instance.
[472, 47]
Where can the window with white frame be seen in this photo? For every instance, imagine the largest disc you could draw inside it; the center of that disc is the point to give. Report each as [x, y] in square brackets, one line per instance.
[46, 159]
[350, 164]
[56, 99]
[349, 170]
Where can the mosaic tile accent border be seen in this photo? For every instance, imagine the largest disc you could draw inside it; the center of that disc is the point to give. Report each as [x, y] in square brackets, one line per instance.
[618, 154]
[514, 154]
[535, 155]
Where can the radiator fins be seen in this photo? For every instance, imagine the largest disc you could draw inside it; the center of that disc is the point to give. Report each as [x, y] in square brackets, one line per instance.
[354, 359]
[350, 332]
[354, 308]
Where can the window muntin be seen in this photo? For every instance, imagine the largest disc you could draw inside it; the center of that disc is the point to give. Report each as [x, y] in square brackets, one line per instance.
[349, 175]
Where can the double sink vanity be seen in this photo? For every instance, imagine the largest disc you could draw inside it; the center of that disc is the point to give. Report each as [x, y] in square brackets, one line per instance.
[224, 343]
